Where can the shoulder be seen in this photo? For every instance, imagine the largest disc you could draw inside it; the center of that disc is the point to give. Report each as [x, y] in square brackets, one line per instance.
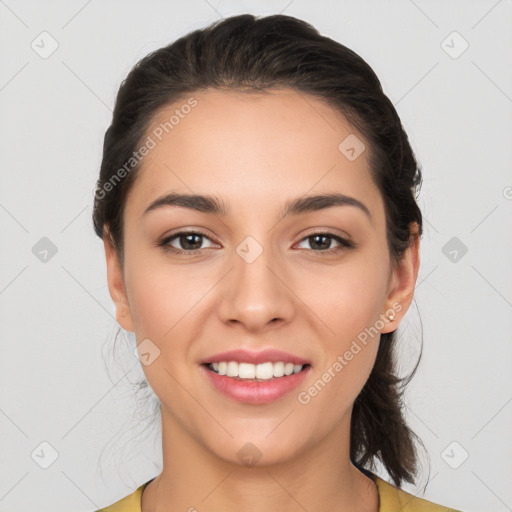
[393, 499]
[130, 503]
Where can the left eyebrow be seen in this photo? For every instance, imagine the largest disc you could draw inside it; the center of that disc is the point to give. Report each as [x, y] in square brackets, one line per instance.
[319, 202]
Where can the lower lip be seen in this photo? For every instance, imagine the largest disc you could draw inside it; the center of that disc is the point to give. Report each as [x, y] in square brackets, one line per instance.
[254, 392]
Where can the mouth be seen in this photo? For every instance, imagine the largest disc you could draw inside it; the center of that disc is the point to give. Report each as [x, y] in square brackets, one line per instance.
[255, 384]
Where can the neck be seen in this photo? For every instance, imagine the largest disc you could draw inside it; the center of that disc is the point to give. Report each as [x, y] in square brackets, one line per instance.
[321, 477]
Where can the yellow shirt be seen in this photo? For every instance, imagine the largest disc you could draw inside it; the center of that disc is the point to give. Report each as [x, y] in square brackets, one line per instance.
[391, 499]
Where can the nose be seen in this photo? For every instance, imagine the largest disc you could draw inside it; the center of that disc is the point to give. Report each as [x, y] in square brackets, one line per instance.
[255, 293]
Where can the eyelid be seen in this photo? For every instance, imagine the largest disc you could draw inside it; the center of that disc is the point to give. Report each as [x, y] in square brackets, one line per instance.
[329, 231]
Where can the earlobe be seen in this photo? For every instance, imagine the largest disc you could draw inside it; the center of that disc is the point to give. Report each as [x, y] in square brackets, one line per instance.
[404, 279]
[116, 284]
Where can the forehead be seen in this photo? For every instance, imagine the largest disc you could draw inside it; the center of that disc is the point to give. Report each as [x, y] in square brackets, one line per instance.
[254, 146]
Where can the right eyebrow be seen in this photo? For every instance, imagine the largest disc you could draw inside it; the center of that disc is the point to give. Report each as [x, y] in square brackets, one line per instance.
[200, 203]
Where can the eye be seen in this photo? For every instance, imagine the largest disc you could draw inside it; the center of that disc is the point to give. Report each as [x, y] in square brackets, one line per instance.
[189, 242]
[321, 242]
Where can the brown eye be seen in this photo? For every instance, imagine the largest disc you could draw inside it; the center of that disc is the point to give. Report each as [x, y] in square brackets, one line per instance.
[322, 242]
[186, 241]
[190, 241]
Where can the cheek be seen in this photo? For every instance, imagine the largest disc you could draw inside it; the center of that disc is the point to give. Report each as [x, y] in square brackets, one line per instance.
[349, 301]
[350, 297]
[161, 295]
[165, 301]
[162, 306]
[153, 302]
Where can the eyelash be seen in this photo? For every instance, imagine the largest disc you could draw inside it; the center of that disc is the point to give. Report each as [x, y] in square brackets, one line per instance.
[344, 243]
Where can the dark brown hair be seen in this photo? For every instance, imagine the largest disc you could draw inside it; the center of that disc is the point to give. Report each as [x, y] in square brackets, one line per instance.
[255, 54]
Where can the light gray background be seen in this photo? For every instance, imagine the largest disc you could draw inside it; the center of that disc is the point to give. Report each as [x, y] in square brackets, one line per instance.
[57, 319]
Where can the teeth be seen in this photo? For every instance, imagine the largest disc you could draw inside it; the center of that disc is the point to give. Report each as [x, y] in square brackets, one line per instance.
[245, 371]
[263, 371]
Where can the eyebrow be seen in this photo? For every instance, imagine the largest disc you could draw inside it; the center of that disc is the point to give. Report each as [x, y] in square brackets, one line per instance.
[216, 206]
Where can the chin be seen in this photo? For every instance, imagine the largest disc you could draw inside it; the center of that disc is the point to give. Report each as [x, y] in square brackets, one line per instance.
[256, 450]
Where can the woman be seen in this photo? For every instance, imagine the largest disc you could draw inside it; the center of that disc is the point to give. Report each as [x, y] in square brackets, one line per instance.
[256, 200]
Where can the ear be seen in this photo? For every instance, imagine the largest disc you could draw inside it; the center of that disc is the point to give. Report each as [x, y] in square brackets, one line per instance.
[403, 281]
[116, 284]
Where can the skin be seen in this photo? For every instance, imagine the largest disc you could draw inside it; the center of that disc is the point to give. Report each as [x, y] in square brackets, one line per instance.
[255, 151]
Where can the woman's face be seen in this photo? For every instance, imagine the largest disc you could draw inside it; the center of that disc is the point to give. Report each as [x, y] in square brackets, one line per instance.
[258, 279]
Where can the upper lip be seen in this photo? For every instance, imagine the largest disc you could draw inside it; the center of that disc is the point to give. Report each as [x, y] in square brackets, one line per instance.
[255, 357]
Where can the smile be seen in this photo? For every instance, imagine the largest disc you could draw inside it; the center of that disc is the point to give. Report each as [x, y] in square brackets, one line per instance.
[263, 371]
[255, 384]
